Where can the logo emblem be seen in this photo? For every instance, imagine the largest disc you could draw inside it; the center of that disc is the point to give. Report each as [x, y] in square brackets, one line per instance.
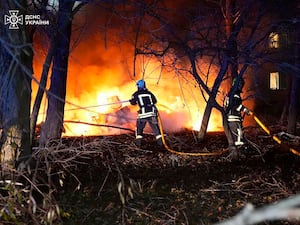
[13, 19]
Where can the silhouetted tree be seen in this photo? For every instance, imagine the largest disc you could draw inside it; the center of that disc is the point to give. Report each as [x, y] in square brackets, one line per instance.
[15, 79]
[203, 35]
[295, 87]
[57, 54]
[53, 126]
[234, 21]
[232, 36]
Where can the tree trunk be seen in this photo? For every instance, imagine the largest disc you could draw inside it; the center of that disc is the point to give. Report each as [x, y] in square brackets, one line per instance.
[232, 66]
[210, 103]
[53, 126]
[294, 106]
[15, 78]
[232, 43]
[40, 92]
[232, 30]
[295, 88]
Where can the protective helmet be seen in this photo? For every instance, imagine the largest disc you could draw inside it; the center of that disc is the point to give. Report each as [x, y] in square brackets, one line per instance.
[141, 84]
[240, 85]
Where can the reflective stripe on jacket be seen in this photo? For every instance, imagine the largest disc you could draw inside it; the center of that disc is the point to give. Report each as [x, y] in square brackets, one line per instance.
[146, 101]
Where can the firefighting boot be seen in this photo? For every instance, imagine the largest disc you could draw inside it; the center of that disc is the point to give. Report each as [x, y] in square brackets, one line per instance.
[234, 153]
[159, 141]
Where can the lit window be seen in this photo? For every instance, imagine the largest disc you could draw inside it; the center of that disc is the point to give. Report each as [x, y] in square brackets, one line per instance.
[274, 40]
[274, 81]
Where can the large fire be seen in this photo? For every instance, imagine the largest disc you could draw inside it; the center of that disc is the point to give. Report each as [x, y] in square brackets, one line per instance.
[100, 85]
[100, 80]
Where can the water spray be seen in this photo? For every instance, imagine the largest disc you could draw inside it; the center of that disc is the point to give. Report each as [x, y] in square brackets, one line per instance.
[96, 106]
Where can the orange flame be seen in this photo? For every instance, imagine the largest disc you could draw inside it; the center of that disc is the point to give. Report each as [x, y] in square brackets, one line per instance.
[100, 90]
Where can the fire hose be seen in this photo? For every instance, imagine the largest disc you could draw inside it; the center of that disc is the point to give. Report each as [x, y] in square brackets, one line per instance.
[274, 137]
[259, 122]
[96, 106]
[185, 153]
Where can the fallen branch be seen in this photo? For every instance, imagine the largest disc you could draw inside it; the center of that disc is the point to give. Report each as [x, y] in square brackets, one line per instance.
[99, 125]
[287, 209]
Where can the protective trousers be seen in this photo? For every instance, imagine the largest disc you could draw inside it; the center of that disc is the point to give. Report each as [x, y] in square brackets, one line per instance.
[153, 122]
[236, 129]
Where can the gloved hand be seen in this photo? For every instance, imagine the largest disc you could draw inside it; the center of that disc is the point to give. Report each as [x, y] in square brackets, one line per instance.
[247, 111]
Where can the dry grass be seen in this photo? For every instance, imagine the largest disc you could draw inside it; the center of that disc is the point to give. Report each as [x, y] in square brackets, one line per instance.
[149, 185]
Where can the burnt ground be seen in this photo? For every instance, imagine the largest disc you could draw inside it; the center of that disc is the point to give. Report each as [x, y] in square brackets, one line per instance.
[123, 184]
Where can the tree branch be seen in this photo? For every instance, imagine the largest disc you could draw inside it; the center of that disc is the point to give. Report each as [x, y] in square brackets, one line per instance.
[287, 209]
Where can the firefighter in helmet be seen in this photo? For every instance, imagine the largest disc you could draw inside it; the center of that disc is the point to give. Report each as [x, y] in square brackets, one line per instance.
[147, 112]
[233, 109]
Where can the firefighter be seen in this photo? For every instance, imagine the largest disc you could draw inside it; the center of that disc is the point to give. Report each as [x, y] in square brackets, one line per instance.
[233, 109]
[147, 112]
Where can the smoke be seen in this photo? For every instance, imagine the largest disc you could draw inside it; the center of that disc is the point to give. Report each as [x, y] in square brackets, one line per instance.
[101, 72]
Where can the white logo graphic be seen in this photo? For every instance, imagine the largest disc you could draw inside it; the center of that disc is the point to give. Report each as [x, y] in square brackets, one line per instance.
[13, 19]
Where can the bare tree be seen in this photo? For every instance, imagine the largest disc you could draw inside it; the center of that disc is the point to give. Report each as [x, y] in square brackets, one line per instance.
[202, 36]
[15, 74]
[59, 53]
[231, 36]
[295, 88]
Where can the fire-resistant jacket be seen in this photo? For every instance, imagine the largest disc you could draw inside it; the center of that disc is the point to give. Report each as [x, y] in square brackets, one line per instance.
[234, 107]
[146, 101]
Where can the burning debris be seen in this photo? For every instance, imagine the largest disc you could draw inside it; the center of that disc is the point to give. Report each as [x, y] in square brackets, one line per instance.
[181, 103]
